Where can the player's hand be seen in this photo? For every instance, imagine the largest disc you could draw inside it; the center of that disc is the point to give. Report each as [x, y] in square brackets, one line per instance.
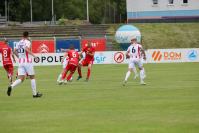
[144, 57]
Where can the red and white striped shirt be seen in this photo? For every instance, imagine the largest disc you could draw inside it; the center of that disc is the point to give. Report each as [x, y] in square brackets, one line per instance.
[21, 46]
[134, 51]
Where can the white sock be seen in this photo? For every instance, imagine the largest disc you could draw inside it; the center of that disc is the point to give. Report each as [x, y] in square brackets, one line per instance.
[135, 71]
[142, 74]
[59, 77]
[127, 75]
[17, 82]
[33, 85]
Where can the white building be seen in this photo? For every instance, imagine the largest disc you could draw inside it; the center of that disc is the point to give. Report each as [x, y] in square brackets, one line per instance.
[162, 10]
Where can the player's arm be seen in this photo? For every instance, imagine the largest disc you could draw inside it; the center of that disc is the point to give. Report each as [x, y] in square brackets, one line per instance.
[91, 53]
[65, 55]
[13, 56]
[127, 53]
[30, 52]
[144, 54]
[15, 53]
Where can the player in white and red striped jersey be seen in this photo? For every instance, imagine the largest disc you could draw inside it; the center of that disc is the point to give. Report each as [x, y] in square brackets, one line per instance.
[135, 53]
[24, 53]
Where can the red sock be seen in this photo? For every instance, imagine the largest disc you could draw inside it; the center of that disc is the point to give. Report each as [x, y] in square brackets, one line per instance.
[69, 76]
[80, 71]
[88, 73]
[64, 75]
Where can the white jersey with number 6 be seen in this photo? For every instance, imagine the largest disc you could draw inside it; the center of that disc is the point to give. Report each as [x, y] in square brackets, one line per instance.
[134, 51]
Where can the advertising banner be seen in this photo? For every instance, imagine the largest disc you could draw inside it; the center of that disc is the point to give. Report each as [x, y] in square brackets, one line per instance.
[43, 46]
[98, 43]
[118, 57]
[65, 44]
[172, 55]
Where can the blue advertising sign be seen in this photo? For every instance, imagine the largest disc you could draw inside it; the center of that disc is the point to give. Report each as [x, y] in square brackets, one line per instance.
[66, 43]
[12, 43]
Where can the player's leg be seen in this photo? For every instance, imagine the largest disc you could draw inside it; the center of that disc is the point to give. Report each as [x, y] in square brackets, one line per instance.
[142, 73]
[10, 73]
[72, 71]
[89, 70]
[130, 69]
[30, 71]
[21, 77]
[135, 73]
[81, 63]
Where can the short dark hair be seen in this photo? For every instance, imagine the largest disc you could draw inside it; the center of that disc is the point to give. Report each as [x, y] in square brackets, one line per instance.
[72, 46]
[25, 34]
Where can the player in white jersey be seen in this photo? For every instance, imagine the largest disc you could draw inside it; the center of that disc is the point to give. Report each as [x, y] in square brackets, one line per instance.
[24, 53]
[135, 53]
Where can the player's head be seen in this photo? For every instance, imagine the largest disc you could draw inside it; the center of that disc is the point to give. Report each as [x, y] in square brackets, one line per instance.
[25, 34]
[72, 46]
[133, 39]
[89, 44]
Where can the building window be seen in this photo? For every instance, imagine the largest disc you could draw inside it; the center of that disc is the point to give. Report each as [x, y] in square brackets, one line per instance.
[155, 2]
[185, 1]
[171, 1]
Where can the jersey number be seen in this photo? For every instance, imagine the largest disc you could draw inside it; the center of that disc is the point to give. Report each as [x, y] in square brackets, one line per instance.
[133, 50]
[20, 50]
[5, 54]
[74, 55]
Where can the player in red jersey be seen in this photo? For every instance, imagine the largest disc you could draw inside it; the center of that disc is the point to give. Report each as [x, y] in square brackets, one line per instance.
[6, 52]
[89, 50]
[72, 64]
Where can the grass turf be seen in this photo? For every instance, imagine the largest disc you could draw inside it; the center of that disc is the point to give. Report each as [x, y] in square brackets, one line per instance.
[169, 103]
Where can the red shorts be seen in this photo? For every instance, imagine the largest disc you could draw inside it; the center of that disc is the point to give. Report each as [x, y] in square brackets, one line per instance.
[71, 67]
[9, 68]
[86, 62]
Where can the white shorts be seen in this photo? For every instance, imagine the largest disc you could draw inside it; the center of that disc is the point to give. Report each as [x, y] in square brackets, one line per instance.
[65, 63]
[133, 62]
[26, 68]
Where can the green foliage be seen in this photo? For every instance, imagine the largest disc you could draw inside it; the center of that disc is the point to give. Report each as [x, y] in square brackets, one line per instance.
[101, 11]
[167, 104]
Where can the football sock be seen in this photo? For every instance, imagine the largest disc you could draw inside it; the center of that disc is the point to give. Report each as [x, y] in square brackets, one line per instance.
[88, 73]
[79, 71]
[63, 75]
[59, 77]
[142, 74]
[17, 82]
[135, 71]
[33, 85]
[127, 75]
[69, 76]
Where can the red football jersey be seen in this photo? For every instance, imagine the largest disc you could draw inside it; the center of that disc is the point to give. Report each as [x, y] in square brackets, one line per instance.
[73, 57]
[89, 50]
[6, 55]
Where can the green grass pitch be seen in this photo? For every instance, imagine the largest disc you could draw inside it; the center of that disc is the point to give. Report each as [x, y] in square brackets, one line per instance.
[169, 103]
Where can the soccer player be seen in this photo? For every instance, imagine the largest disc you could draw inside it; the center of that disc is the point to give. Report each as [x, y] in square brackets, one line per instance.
[72, 64]
[134, 52]
[23, 50]
[6, 52]
[64, 64]
[89, 50]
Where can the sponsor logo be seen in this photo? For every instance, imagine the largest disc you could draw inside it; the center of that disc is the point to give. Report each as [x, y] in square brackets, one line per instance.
[100, 58]
[157, 55]
[119, 57]
[192, 55]
[166, 56]
[43, 48]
